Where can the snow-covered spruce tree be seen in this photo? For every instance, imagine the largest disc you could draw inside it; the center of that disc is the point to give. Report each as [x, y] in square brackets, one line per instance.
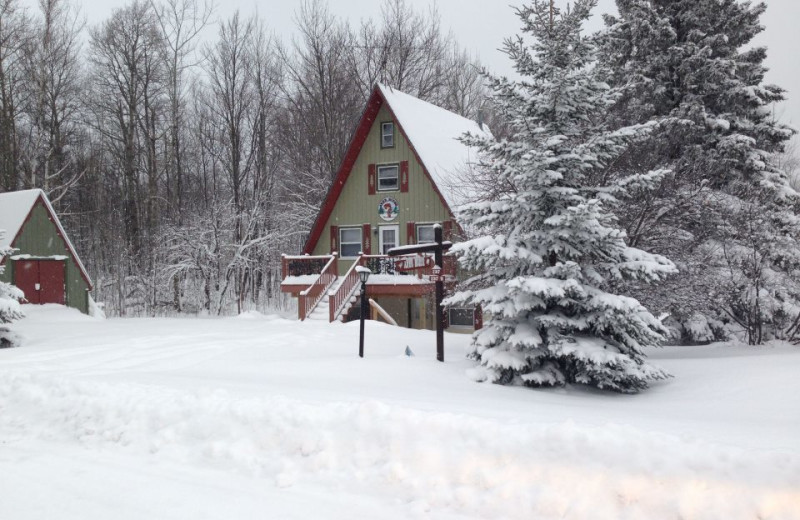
[548, 250]
[10, 310]
[726, 213]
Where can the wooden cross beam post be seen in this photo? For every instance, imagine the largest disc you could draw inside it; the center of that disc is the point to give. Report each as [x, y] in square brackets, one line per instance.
[437, 248]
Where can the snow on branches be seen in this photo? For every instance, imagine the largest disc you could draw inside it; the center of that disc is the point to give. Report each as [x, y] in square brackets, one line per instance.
[725, 212]
[10, 309]
[549, 251]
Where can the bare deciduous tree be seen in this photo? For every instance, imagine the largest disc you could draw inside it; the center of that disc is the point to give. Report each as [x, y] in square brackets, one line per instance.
[14, 35]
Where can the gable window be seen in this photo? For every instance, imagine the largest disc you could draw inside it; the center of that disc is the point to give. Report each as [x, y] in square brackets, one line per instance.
[387, 135]
[349, 242]
[425, 234]
[388, 177]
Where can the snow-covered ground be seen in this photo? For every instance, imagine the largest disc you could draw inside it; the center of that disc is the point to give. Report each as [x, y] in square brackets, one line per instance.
[262, 417]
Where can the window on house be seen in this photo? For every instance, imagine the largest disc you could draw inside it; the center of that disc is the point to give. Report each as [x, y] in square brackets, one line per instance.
[387, 135]
[349, 242]
[462, 317]
[388, 177]
[425, 234]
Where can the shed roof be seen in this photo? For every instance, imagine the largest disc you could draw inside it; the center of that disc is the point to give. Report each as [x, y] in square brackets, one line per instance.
[14, 209]
[16, 206]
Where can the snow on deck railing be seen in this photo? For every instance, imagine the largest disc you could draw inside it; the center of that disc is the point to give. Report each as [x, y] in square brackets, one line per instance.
[411, 264]
[311, 296]
[298, 265]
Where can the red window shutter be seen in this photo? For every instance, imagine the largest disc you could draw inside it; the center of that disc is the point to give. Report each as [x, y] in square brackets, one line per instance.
[411, 233]
[404, 176]
[478, 317]
[371, 179]
[366, 240]
[334, 239]
[447, 230]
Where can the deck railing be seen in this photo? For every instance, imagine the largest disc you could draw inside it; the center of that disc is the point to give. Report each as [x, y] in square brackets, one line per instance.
[400, 265]
[300, 265]
[310, 297]
[382, 264]
[326, 269]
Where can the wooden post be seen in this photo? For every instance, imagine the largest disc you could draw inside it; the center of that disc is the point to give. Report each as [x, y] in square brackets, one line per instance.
[437, 249]
[437, 236]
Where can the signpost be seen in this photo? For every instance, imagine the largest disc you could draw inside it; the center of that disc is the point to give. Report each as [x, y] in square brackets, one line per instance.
[437, 248]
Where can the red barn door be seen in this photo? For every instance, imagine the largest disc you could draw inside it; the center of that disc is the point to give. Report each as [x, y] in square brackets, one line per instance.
[51, 281]
[26, 278]
[42, 281]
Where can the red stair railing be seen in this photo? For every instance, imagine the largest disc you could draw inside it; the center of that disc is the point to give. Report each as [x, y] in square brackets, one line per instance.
[310, 297]
[339, 298]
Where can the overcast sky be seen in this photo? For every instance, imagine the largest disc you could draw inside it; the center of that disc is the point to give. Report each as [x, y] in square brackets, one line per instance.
[481, 25]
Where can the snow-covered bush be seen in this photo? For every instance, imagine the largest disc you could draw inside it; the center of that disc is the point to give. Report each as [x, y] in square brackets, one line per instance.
[550, 254]
[10, 309]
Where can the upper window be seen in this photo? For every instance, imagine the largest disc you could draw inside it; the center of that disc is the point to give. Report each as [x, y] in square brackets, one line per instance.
[388, 177]
[387, 135]
[425, 234]
[349, 242]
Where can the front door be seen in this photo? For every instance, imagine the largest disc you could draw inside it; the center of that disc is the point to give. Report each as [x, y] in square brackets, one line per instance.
[42, 281]
[388, 236]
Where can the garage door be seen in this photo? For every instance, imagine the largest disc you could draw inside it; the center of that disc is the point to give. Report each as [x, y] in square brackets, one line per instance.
[42, 281]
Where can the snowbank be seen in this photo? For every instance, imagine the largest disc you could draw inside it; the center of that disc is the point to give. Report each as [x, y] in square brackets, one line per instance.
[474, 466]
[288, 415]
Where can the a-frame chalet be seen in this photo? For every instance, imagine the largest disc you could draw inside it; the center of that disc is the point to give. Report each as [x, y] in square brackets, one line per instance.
[403, 172]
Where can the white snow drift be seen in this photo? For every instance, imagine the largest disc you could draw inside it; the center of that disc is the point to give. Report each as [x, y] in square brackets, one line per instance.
[265, 417]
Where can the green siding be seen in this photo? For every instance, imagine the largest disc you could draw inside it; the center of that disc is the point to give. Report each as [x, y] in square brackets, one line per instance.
[421, 204]
[39, 237]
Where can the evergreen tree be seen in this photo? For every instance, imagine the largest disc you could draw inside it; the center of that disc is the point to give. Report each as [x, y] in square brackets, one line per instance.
[725, 213]
[548, 250]
[10, 310]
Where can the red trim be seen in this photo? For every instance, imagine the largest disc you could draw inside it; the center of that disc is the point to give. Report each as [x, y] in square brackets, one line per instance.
[367, 239]
[334, 239]
[53, 218]
[362, 131]
[411, 233]
[376, 101]
[371, 179]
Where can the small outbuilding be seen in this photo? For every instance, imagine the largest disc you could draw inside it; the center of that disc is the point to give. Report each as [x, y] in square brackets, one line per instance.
[44, 263]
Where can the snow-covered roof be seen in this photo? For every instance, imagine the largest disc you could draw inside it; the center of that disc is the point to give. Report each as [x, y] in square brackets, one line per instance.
[434, 133]
[15, 206]
[14, 209]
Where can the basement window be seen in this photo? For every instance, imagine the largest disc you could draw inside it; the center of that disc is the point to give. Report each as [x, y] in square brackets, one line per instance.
[387, 135]
[462, 317]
